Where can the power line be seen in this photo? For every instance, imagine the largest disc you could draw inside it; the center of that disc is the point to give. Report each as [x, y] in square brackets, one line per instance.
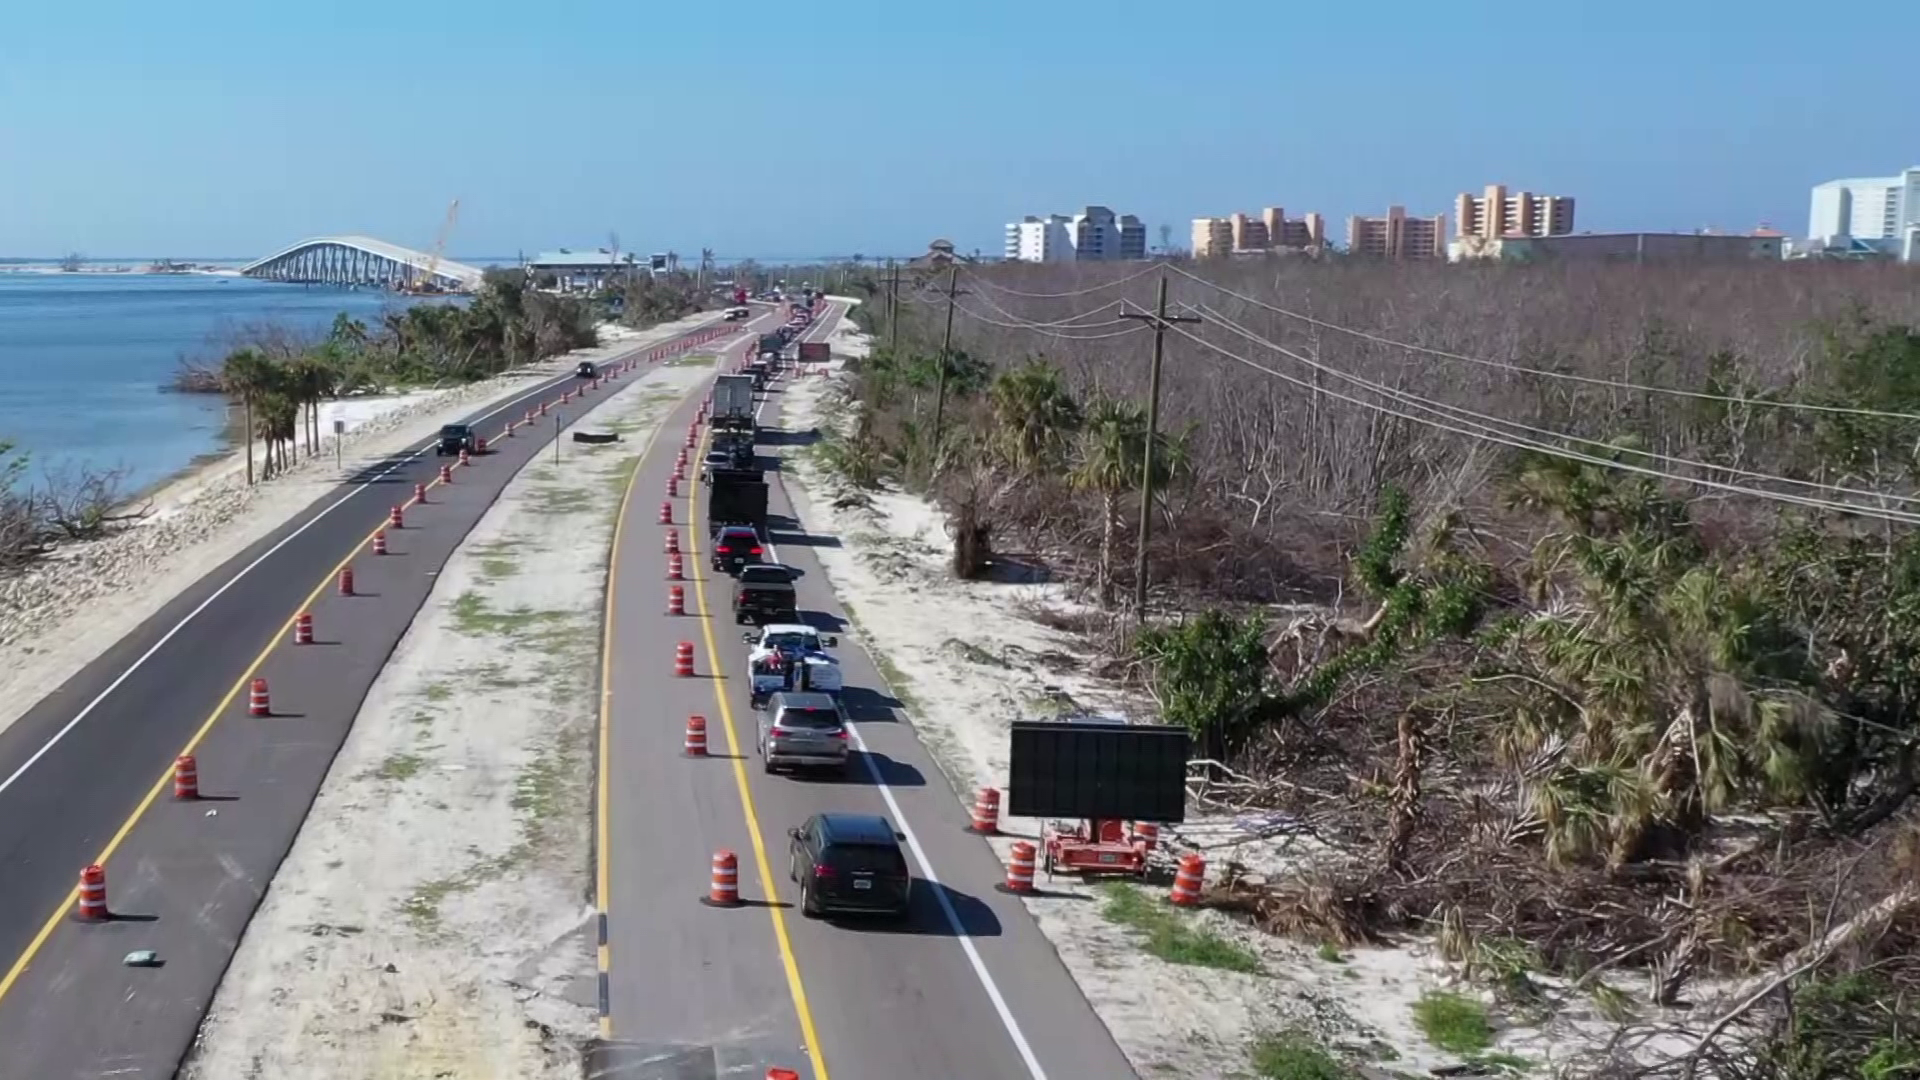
[1117, 282]
[1697, 395]
[1549, 450]
[1430, 405]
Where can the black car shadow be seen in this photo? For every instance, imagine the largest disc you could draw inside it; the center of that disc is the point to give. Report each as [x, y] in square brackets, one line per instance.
[780, 437]
[867, 706]
[824, 621]
[792, 539]
[863, 766]
[926, 915]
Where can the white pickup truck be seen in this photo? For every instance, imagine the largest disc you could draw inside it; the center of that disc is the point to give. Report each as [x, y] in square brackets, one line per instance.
[778, 652]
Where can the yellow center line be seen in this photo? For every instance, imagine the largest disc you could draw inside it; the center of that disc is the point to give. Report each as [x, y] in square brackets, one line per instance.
[120, 835]
[787, 960]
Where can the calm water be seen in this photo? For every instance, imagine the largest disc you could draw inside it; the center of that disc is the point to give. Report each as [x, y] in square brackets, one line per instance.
[83, 358]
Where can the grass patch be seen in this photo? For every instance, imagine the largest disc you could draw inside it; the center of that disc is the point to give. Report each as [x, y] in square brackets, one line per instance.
[561, 499]
[1501, 1061]
[1170, 936]
[399, 767]
[1330, 952]
[537, 793]
[1452, 1022]
[499, 559]
[693, 360]
[895, 679]
[437, 691]
[975, 654]
[494, 676]
[1292, 1055]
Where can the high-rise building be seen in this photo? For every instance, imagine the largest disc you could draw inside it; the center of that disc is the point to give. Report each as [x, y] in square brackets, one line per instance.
[1095, 233]
[1881, 210]
[1397, 236]
[1215, 236]
[1040, 239]
[1498, 212]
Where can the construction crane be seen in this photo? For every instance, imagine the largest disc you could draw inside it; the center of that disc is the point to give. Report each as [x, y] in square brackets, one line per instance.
[427, 284]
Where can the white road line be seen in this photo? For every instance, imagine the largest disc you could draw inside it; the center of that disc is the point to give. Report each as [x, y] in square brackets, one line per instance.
[358, 489]
[1034, 1071]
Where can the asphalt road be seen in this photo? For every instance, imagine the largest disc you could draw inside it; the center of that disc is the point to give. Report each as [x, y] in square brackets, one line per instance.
[967, 989]
[83, 775]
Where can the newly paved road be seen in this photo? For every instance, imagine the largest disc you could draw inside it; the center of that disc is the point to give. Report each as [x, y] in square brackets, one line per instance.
[83, 774]
[968, 989]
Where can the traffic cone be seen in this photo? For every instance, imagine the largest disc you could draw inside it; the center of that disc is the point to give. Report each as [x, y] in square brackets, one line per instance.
[683, 660]
[666, 513]
[725, 888]
[257, 701]
[673, 487]
[380, 542]
[695, 744]
[676, 600]
[986, 812]
[186, 777]
[303, 628]
[396, 519]
[1188, 879]
[92, 905]
[673, 541]
[446, 472]
[419, 493]
[675, 567]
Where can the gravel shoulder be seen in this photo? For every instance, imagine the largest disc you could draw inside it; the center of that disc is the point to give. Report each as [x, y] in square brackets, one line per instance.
[434, 917]
[67, 610]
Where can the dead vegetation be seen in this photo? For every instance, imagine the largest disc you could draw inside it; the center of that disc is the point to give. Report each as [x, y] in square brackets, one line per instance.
[62, 505]
[1584, 710]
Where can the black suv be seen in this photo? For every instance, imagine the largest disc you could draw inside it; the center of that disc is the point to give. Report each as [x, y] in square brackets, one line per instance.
[735, 546]
[453, 439]
[587, 370]
[849, 863]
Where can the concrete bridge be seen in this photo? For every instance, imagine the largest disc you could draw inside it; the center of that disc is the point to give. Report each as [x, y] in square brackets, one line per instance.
[360, 260]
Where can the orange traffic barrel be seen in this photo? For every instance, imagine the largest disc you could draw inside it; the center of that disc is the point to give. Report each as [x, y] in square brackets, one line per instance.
[186, 777]
[380, 541]
[1146, 834]
[479, 444]
[666, 513]
[682, 459]
[692, 437]
[346, 572]
[676, 600]
[782, 1074]
[675, 568]
[725, 889]
[303, 628]
[696, 741]
[419, 493]
[1188, 879]
[683, 659]
[673, 541]
[986, 812]
[673, 487]
[93, 895]
[446, 471]
[465, 459]
[1020, 868]
[257, 701]
[396, 519]
[543, 408]
[529, 416]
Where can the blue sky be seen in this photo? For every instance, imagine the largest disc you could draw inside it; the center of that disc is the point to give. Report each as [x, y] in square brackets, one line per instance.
[225, 128]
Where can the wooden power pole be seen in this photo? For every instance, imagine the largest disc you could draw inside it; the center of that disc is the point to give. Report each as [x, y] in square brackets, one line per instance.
[1160, 321]
[946, 348]
[893, 308]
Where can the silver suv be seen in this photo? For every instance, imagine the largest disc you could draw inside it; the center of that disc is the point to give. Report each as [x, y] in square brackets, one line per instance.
[802, 730]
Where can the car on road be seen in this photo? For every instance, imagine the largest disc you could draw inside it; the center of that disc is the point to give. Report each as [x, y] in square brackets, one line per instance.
[765, 594]
[849, 864]
[735, 314]
[736, 546]
[715, 459]
[586, 370]
[455, 438]
[802, 730]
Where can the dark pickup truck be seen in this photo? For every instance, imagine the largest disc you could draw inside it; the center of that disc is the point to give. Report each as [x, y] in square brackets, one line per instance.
[453, 439]
[765, 594]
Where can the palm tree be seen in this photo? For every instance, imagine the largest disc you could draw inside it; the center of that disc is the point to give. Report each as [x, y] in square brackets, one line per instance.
[246, 374]
[1108, 457]
[1034, 415]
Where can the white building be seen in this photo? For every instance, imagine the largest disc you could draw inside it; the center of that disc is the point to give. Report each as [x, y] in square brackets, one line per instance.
[1040, 240]
[1094, 234]
[1882, 211]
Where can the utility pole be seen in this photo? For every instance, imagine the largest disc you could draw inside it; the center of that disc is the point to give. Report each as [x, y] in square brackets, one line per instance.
[1161, 321]
[893, 308]
[946, 344]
